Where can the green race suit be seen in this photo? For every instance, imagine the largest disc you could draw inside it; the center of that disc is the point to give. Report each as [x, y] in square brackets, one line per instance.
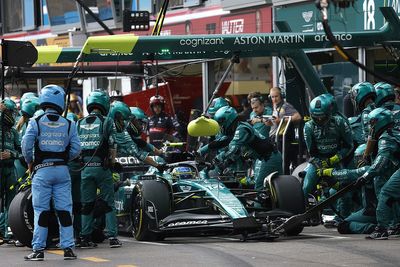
[97, 136]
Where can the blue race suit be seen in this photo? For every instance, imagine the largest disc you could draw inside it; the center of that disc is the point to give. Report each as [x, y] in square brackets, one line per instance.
[49, 142]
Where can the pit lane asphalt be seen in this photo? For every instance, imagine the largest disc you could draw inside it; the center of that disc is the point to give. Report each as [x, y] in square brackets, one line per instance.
[316, 246]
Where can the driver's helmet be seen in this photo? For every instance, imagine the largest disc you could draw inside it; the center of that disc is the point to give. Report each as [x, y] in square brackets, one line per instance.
[183, 173]
[216, 104]
[360, 92]
[384, 93]
[321, 110]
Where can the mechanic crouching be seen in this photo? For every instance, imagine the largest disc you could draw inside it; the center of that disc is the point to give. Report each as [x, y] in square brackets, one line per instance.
[97, 135]
[246, 141]
[49, 143]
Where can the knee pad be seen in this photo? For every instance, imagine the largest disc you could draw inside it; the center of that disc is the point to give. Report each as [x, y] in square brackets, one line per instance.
[44, 218]
[100, 208]
[76, 208]
[87, 208]
[344, 228]
[64, 217]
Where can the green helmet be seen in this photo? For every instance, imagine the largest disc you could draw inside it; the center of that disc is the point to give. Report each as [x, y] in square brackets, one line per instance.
[139, 114]
[216, 104]
[26, 96]
[29, 106]
[121, 114]
[98, 99]
[72, 116]
[379, 120]
[10, 112]
[332, 100]
[321, 110]
[119, 108]
[225, 117]
[360, 93]
[384, 93]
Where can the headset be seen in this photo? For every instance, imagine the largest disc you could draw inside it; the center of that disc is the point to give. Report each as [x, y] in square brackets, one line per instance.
[282, 94]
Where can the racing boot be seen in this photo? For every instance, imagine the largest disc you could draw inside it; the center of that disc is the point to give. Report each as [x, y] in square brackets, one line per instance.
[69, 254]
[86, 242]
[394, 231]
[114, 242]
[380, 233]
[36, 255]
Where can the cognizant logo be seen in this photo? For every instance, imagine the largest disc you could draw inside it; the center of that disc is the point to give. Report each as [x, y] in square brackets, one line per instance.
[201, 41]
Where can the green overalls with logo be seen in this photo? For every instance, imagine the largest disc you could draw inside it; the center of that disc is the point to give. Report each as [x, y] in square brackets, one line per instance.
[97, 135]
[263, 168]
[249, 142]
[324, 142]
[7, 174]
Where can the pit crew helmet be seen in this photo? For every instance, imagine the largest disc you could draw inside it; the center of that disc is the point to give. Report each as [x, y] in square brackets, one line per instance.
[216, 104]
[121, 114]
[98, 99]
[139, 114]
[52, 96]
[384, 93]
[10, 112]
[225, 117]
[380, 119]
[360, 92]
[29, 106]
[157, 100]
[321, 110]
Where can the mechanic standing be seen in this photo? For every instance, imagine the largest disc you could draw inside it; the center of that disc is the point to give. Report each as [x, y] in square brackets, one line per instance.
[9, 153]
[328, 139]
[385, 98]
[128, 129]
[280, 110]
[246, 141]
[162, 126]
[263, 127]
[97, 135]
[49, 143]
[363, 96]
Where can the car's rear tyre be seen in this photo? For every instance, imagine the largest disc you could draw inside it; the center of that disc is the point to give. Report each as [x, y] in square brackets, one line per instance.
[151, 203]
[289, 197]
[20, 218]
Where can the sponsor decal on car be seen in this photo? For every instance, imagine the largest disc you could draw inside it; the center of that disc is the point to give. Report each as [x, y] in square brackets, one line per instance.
[184, 223]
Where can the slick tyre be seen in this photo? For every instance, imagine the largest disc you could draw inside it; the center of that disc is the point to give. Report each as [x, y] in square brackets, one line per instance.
[151, 202]
[20, 218]
[289, 197]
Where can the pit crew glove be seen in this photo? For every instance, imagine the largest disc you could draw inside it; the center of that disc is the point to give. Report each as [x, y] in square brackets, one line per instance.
[324, 172]
[330, 161]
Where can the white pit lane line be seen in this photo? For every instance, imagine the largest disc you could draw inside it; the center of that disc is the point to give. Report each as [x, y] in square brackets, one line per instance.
[143, 242]
[327, 236]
